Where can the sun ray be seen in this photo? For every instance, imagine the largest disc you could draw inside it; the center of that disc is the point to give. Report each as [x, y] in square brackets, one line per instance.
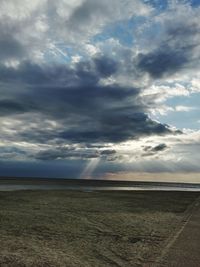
[89, 168]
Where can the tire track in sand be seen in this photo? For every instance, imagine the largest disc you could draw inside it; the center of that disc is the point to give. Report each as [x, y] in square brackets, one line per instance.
[174, 237]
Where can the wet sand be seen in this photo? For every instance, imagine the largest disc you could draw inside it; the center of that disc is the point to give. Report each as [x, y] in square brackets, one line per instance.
[88, 229]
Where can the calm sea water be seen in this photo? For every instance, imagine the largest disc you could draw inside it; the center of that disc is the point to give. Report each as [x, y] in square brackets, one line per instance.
[16, 187]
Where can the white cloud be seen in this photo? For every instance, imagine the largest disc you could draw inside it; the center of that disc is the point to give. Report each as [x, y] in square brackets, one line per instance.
[36, 24]
[195, 85]
[43, 30]
[91, 50]
[19, 10]
[161, 92]
[184, 108]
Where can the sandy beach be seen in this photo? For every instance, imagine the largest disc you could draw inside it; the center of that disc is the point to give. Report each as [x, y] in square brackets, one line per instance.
[86, 229]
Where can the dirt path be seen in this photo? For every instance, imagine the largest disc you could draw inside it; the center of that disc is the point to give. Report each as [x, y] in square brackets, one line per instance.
[183, 248]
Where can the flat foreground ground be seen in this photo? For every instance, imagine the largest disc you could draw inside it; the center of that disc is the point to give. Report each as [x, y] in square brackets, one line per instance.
[89, 229]
[183, 250]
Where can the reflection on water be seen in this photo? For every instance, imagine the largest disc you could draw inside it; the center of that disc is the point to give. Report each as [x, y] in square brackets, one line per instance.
[15, 187]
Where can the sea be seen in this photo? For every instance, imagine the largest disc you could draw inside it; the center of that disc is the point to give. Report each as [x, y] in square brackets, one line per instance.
[15, 184]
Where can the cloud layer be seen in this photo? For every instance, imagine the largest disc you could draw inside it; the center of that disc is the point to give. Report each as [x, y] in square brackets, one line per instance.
[73, 87]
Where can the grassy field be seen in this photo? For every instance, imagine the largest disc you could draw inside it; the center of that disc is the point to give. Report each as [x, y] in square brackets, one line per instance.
[87, 229]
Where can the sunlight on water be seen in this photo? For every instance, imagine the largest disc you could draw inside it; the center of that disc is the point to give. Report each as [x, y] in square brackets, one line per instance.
[14, 187]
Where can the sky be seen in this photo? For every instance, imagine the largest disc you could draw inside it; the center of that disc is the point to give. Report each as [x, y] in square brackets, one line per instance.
[100, 89]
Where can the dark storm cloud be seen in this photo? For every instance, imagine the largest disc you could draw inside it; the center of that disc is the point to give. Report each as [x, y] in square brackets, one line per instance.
[162, 61]
[11, 106]
[108, 152]
[89, 11]
[180, 28]
[10, 152]
[49, 169]
[159, 147]
[177, 49]
[32, 74]
[63, 153]
[106, 67]
[151, 151]
[9, 47]
[87, 111]
[116, 126]
[36, 133]
[84, 74]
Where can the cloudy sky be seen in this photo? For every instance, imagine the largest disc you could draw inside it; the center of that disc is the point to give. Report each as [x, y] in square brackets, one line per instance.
[100, 89]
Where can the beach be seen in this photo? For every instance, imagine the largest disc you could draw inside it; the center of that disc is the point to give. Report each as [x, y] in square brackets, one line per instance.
[57, 228]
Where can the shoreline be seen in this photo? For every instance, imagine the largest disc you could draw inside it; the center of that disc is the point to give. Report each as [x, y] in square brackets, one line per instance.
[93, 182]
[16, 184]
